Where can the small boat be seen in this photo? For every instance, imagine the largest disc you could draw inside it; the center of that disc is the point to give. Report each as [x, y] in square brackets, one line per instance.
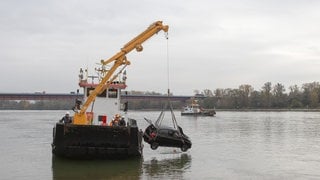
[104, 137]
[194, 109]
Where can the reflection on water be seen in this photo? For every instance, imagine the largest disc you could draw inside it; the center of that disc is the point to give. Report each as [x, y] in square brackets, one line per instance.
[164, 169]
[97, 169]
[174, 166]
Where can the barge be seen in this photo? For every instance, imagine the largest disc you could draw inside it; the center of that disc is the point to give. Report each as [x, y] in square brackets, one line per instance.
[100, 127]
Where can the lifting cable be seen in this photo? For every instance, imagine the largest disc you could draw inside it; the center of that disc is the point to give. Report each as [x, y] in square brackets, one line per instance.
[168, 104]
[175, 124]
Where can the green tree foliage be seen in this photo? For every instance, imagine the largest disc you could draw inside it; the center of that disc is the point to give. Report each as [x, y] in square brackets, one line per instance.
[279, 98]
[295, 97]
[245, 91]
[266, 95]
[269, 97]
[244, 97]
[311, 94]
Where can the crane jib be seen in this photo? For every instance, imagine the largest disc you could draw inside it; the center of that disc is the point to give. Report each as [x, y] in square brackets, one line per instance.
[119, 59]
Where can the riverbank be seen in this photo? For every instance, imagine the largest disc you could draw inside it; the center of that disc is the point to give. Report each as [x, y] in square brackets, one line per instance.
[271, 110]
[217, 110]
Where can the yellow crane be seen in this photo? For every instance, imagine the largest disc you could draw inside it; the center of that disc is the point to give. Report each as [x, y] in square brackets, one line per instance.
[119, 59]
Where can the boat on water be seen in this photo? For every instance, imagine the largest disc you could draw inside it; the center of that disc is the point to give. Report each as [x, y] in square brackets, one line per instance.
[98, 128]
[104, 136]
[194, 109]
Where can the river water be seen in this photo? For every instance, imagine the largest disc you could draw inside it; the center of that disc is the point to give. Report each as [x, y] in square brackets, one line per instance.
[232, 145]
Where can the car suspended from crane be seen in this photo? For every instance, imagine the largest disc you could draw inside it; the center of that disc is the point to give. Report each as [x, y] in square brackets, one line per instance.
[85, 137]
[157, 134]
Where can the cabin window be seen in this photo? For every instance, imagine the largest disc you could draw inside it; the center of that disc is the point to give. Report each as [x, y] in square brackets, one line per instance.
[112, 93]
[103, 94]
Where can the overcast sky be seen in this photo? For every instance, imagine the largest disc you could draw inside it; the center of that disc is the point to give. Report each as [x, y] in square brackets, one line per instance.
[212, 44]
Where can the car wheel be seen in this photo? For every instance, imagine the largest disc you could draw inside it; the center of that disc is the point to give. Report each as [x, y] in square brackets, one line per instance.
[184, 148]
[154, 145]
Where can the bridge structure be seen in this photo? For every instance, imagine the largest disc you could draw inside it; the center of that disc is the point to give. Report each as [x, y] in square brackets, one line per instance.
[65, 96]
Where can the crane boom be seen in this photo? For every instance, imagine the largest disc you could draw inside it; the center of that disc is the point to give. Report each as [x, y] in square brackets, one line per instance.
[119, 59]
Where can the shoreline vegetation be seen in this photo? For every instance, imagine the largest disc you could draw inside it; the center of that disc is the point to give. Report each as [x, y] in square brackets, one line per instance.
[270, 110]
[246, 110]
[217, 110]
[244, 98]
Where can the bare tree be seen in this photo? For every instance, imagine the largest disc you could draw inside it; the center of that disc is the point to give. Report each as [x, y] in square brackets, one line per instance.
[279, 99]
[266, 94]
[207, 93]
[245, 91]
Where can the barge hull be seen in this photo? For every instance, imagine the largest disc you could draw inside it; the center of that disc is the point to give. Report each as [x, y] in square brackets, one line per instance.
[95, 141]
[198, 114]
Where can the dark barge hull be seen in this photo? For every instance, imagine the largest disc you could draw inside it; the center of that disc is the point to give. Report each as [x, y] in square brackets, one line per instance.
[96, 142]
[198, 114]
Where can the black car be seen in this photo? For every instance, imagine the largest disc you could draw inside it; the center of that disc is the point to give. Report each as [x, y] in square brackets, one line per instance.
[166, 136]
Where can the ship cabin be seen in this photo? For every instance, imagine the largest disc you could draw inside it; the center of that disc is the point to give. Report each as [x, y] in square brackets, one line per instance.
[107, 104]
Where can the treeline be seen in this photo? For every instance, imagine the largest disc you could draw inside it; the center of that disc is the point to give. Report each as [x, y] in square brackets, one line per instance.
[268, 97]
